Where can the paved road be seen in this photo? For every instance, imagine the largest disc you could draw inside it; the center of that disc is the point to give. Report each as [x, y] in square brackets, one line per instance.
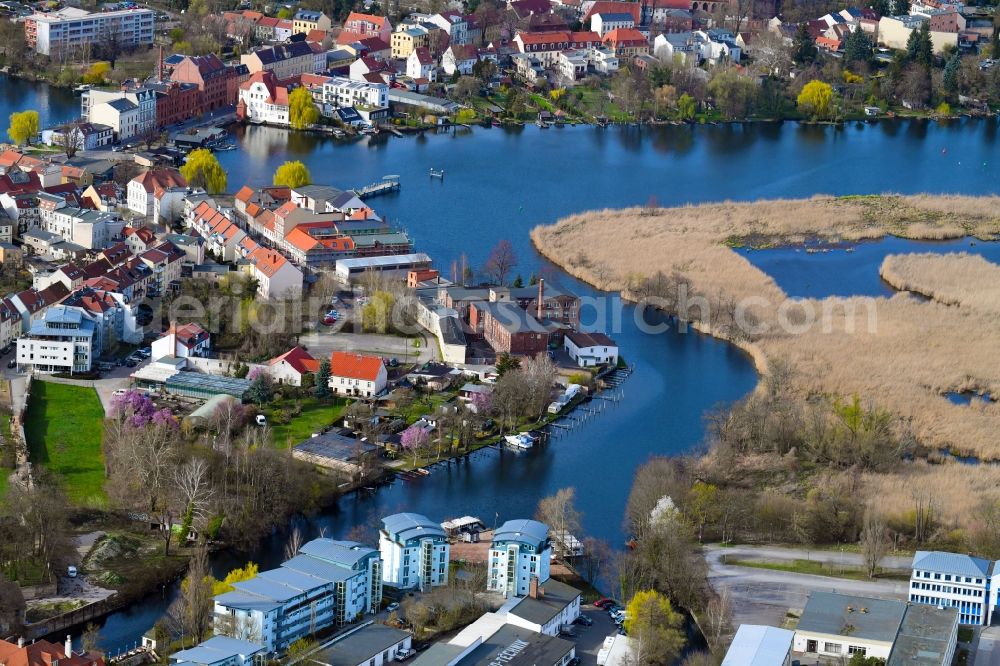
[778, 553]
[761, 596]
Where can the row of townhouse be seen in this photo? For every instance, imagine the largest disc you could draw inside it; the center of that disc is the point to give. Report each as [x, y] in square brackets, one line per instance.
[88, 228]
[286, 61]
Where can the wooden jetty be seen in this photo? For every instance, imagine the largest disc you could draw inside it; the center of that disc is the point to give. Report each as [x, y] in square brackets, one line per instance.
[387, 185]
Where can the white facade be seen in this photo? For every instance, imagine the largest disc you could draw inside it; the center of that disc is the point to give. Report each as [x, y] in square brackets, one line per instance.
[602, 24]
[414, 552]
[588, 352]
[547, 608]
[63, 341]
[340, 91]
[520, 551]
[357, 375]
[461, 62]
[71, 28]
[419, 66]
[87, 228]
[261, 107]
[129, 113]
[955, 581]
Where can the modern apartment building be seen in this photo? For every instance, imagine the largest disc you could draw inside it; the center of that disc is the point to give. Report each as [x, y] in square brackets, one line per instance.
[71, 29]
[520, 551]
[63, 341]
[328, 583]
[414, 552]
[957, 581]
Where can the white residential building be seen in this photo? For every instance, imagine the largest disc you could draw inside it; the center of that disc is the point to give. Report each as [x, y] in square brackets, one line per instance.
[547, 608]
[521, 551]
[414, 552]
[62, 341]
[71, 29]
[340, 92]
[357, 374]
[88, 228]
[459, 58]
[453, 23]
[129, 113]
[328, 583]
[590, 349]
[263, 100]
[957, 581]
[276, 276]
[602, 24]
[188, 340]
[420, 64]
[142, 191]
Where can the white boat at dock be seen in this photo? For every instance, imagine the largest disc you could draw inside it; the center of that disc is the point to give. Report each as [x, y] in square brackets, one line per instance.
[521, 441]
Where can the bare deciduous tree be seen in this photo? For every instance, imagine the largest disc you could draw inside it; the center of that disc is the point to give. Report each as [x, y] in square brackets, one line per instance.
[500, 262]
[560, 514]
[875, 541]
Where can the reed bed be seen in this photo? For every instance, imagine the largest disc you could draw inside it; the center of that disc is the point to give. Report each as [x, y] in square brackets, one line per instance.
[916, 351]
[962, 279]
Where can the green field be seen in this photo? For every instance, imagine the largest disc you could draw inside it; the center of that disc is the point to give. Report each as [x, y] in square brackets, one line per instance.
[315, 416]
[63, 428]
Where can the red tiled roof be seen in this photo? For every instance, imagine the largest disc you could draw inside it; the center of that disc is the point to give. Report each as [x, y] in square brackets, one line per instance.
[160, 179]
[615, 7]
[355, 366]
[299, 359]
[625, 37]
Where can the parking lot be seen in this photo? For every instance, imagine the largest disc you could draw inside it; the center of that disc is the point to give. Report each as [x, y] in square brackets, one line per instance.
[590, 639]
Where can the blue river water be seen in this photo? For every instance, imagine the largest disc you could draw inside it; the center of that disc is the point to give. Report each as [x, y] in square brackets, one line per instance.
[498, 185]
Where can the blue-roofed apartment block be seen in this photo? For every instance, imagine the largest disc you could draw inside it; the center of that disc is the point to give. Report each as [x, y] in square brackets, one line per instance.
[328, 583]
[414, 552]
[521, 550]
[952, 580]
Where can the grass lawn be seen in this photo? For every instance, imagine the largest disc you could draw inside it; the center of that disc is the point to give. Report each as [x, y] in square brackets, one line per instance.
[63, 427]
[818, 569]
[314, 417]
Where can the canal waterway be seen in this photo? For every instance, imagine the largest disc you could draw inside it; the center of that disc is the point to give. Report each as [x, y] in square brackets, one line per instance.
[499, 184]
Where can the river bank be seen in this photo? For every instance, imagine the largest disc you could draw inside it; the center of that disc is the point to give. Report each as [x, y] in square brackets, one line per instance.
[905, 354]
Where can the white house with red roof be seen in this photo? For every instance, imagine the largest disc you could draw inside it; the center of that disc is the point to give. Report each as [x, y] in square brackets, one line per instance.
[292, 366]
[590, 349]
[138, 239]
[263, 99]
[276, 276]
[143, 188]
[184, 341]
[420, 64]
[357, 374]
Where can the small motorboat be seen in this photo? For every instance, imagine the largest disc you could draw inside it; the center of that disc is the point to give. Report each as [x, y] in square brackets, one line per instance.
[521, 441]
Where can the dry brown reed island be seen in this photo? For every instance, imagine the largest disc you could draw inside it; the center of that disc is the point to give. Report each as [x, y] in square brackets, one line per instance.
[904, 361]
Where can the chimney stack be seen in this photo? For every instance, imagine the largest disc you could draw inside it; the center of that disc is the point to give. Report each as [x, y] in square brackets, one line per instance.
[534, 591]
[541, 298]
[20, 641]
[69, 645]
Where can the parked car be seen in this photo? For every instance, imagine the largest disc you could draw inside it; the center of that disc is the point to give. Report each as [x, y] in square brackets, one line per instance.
[261, 420]
[12, 363]
[584, 620]
[71, 571]
[403, 654]
[119, 392]
[392, 607]
[605, 602]
[131, 363]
